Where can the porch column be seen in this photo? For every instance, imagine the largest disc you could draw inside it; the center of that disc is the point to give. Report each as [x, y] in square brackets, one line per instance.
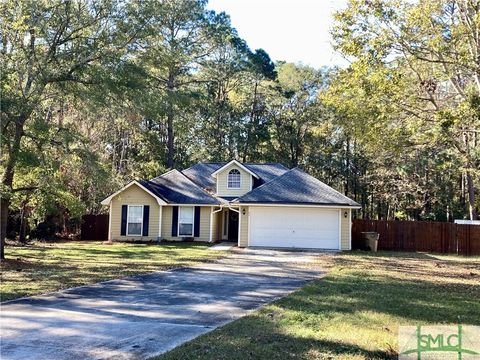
[160, 207]
[210, 237]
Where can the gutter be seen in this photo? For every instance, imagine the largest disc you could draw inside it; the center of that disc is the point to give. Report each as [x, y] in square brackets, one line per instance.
[334, 206]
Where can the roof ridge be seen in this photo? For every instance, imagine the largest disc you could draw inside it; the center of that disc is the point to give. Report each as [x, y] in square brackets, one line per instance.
[161, 175]
[210, 162]
[265, 163]
[205, 191]
[185, 176]
[331, 188]
[266, 183]
[188, 177]
[202, 163]
[159, 195]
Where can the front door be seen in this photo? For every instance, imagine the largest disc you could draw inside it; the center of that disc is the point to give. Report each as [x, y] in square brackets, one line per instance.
[232, 225]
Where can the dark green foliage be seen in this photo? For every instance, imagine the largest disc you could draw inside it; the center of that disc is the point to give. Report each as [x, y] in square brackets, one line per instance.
[95, 94]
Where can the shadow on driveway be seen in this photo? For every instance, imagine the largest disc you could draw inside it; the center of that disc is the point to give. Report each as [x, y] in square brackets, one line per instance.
[145, 315]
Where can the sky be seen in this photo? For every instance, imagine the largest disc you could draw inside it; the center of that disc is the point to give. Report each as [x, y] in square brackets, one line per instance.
[290, 30]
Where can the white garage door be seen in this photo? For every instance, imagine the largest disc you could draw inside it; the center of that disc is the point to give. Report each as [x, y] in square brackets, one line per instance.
[310, 228]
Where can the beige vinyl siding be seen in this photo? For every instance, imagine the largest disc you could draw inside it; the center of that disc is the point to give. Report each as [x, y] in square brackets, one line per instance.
[134, 195]
[167, 213]
[222, 182]
[216, 225]
[243, 234]
[345, 229]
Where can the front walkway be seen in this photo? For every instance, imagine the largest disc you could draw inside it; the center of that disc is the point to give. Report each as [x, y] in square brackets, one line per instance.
[141, 316]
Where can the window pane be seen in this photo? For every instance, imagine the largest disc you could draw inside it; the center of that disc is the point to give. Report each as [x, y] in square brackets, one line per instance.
[234, 179]
[134, 228]
[185, 229]
[186, 215]
[185, 221]
[135, 214]
[135, 218]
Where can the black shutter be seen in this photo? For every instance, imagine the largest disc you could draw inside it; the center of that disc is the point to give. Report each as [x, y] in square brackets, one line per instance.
[123, 228]
[146, 216]
[196, 222]
[174, 220]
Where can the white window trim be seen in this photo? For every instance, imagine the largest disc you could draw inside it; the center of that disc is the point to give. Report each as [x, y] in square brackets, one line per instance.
[141, 226]
[240, 182]
[193, 221]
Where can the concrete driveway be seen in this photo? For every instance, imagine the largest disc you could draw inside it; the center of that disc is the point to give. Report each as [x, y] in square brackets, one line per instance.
[142, 316]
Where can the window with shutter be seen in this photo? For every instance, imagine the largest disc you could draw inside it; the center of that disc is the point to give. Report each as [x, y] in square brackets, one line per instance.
[185, 221]
[135, 220]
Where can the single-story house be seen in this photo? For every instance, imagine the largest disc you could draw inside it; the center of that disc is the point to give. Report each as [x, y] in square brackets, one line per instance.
[264, 205]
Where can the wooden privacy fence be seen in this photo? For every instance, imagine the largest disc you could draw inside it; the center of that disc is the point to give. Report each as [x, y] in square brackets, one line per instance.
[94, 227]
[428, 236]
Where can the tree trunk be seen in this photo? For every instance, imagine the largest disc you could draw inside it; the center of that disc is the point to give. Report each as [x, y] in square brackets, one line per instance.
[250, 126]
[355, 173]
[22, 237]
[7, 179]
[170, 116]
[347, 166]
[471, 197]
[170, 135]
[293, 158]
[470, 186]
[4, 206]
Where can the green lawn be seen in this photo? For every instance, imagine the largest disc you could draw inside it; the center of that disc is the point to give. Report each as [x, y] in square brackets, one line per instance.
[352, 313]
[44, 267]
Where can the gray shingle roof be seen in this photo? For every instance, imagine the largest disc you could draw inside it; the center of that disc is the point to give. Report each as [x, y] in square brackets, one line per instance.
[267, 172]
[174, 187]
[277, 185]
[201, 173]
[296, 187]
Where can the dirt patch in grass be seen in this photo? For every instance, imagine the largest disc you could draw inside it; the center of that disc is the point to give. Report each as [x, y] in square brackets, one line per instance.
[16, 264]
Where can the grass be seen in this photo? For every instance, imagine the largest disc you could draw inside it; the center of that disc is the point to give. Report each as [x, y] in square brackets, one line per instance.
[46, 267]
[352, 313]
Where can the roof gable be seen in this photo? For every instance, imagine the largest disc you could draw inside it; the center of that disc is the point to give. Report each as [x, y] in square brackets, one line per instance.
[240, 165]
[139, 183]
[201, 173]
